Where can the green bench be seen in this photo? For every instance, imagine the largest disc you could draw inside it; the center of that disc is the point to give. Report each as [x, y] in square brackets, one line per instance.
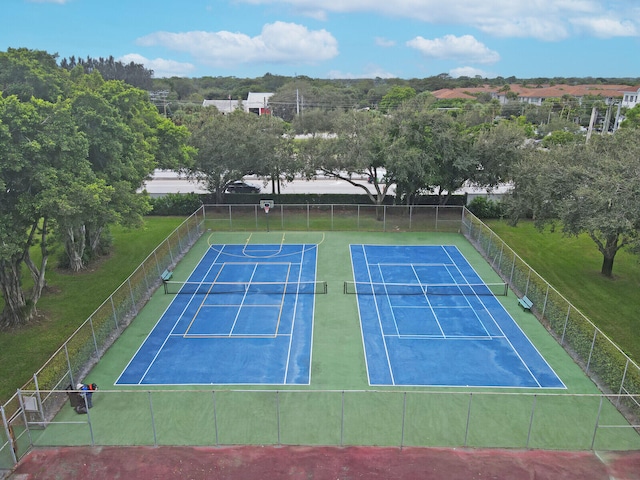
[166, 275]
[525, 303]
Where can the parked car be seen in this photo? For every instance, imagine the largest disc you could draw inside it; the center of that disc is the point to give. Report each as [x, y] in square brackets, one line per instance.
[242, 187]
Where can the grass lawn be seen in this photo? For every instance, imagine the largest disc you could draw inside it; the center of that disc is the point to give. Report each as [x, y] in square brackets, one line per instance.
[71, 299]
[572, 265]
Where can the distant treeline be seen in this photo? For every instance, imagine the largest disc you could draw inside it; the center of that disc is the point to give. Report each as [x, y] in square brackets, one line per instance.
[362, 93]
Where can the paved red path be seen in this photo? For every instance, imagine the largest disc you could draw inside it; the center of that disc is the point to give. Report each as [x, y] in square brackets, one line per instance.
[323, 463]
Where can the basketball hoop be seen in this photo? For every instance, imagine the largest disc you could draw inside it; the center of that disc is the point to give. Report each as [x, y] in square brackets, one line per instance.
[266, 209]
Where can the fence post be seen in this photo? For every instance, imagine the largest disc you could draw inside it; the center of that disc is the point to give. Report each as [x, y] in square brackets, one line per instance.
[410, 217]
[86, 405]
[153, 420]
[595, 428]
[546, 297]
[466, 431]
[624, 377]
[24, 417]
[593, 343]
[513, 268]
[404, 413]
[215, 418]
[342, 422]
[332, 217]
[133, 297]
[384, 218]
[170, 250]
[10, 437]
[115, 312]
[278, 414]
[255, 214]
[500, 258]
[38, 397]
[93, 335]
[66, 352]
[533, 409]
[564, 328]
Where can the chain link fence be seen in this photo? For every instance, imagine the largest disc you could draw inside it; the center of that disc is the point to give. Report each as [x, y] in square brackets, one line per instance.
[600, 358]
[26, 413]
[326, 417]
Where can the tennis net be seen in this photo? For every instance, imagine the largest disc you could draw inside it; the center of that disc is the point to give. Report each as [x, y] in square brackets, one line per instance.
[213, 288]
[370, 288]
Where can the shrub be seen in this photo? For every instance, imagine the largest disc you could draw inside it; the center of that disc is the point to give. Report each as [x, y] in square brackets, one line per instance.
[176, 204]
[481, 207]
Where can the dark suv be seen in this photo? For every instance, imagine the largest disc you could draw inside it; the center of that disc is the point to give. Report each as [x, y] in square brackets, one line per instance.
[242, 187]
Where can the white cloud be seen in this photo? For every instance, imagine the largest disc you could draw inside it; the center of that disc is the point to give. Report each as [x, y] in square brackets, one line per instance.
[470, 72]
[370, 71]
[542, 19]
[161, 67]
[606, 27]
[278, 42]
[463, 49]
[384, 42]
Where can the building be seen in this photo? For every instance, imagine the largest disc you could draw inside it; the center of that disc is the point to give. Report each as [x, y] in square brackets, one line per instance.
[631, 99]
[224, 106]
[538, 94]
[257, 103]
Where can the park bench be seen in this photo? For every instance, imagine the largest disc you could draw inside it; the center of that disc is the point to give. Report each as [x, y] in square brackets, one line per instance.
[166, 275]
[525, 303]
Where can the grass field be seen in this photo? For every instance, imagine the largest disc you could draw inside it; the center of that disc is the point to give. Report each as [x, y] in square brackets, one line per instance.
[572, 265]
[70, 299]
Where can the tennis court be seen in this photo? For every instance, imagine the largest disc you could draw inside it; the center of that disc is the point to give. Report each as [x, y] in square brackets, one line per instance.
[334, 403]
[428, 319]
[244, 316]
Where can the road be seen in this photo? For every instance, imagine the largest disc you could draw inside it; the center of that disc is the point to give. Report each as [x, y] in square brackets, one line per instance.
[164, 182]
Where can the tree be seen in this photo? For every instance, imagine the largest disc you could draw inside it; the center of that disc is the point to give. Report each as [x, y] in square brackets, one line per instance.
[43, 154]
[437, 147]
[395, 96]
[496, 149]
[110, 69]
[592, 189]
[69, 167]
[229, 147]
[631, 118]
[128, 138]
[32, 73]
[360, 148]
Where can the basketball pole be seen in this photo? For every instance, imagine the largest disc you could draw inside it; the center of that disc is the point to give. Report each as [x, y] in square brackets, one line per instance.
[266, 212]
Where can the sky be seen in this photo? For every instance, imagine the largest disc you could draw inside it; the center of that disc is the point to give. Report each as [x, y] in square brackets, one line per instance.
[338, 39]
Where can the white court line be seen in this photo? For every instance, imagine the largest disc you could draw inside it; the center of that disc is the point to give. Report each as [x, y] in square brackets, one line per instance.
[176, 323]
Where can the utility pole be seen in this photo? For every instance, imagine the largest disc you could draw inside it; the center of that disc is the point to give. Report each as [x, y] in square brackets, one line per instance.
[594, 114]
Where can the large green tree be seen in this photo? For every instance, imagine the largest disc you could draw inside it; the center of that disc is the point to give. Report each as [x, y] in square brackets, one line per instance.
[361, 147]
[128, 139]
[232, 146]
[438, 148]
[592, 189]
[43, 154]
[70, 165]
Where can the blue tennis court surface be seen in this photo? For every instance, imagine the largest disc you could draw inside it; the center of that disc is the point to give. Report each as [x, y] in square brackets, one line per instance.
[428, 319]
[244, 316]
